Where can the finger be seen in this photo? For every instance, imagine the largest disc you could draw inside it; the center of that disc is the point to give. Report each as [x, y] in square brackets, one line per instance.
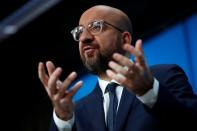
[116, 76]
[138, 46]
[66, 83]
[74, 89]
[50, 67]
[140, 59]
[53, 80]
[118, 68]
[136, 52]
[124, 61]
[131, 50]
[59, 84]
[42, 74]
[128, 64]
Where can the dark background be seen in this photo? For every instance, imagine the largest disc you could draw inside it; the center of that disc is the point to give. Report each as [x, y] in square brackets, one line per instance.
[24, 102]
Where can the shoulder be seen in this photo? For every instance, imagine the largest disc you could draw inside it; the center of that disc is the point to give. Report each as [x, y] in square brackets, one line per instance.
[166, 69]
[169, 73]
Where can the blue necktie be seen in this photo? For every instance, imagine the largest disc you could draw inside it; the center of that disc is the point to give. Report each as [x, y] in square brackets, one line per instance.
[113, 103]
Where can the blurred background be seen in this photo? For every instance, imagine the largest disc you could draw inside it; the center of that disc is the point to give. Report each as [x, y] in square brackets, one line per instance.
[33, 31]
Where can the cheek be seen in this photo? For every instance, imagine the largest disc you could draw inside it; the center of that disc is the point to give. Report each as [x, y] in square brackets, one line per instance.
[108, 49]
[110, 43]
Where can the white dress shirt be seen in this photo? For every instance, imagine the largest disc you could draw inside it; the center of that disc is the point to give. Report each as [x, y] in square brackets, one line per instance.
[149, 99]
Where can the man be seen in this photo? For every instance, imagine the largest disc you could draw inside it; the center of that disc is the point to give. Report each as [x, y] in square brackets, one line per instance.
[145, 99]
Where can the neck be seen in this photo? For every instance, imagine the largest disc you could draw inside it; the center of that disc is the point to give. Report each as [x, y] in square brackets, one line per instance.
[104, 76]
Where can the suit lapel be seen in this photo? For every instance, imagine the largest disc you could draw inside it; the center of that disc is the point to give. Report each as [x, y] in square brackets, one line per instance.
[124, 108]
[95, 110]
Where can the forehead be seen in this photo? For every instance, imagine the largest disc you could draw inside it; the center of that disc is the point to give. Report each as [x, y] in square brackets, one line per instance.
[92, 15]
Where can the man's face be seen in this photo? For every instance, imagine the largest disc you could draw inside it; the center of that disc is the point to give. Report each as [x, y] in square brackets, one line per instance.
[96, 50]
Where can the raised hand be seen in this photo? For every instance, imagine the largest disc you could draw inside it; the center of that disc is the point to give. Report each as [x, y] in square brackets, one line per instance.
[135, 76]
[61, 98]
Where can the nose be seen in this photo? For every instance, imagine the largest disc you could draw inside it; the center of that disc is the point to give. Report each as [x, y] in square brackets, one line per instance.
[86, 37]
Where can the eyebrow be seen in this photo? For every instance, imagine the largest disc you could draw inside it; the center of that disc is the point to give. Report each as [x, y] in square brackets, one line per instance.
[121, 30]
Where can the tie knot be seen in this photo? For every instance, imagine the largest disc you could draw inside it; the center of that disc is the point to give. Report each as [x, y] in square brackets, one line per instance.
[111, 87]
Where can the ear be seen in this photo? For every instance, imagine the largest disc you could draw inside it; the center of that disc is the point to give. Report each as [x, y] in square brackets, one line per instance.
[126, 36]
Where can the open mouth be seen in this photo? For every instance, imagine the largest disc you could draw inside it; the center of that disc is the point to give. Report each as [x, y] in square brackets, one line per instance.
[89, 50]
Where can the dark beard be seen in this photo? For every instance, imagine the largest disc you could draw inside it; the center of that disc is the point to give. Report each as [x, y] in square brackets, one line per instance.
[97, 66]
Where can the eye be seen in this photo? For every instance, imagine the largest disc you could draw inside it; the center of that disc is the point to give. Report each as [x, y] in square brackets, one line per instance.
[95, 27]
[77, 32]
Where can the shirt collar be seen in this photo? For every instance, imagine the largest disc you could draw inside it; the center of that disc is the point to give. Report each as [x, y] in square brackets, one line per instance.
[103, 84]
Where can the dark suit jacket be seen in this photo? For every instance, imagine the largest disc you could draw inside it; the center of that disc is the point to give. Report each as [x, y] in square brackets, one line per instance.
[176, 107]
